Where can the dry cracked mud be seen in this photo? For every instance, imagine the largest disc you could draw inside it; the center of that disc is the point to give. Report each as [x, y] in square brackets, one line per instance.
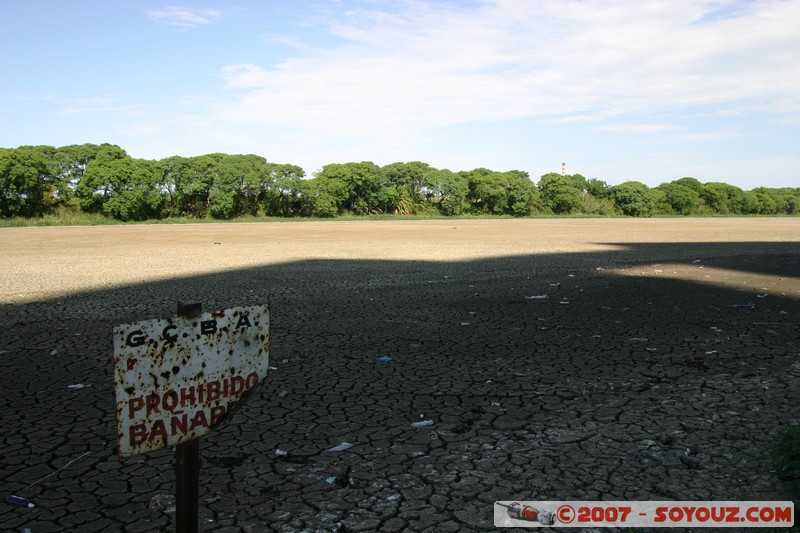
[569, 359]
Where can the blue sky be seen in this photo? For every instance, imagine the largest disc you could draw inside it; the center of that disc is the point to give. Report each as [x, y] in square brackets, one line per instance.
[619, 90]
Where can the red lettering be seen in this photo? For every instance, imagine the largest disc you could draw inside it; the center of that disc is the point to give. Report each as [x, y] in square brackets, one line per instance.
[689, 512]
[178, 424]
[217, 413]
[783, 514]
[187, 397]
[732, 514]
[153, 400]
[212, 391]
[199, 419]
[661, 514]
[252, 381]
[138, 434]
[170, 400]
[718, 514]
[159, 430]
[237, 385]
[135, 404]
[224, 388]
[703, 514]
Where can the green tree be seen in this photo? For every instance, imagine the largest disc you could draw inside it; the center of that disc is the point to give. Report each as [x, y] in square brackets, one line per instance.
[598, 188]
[69, 166]
[449, 192]
[123, 188]
[411, 181]
[281, 194]
[237, 186]
[680, 199]
[25, 182]
[719, 197]
[633, 198]
[352, 187]
[560, 194]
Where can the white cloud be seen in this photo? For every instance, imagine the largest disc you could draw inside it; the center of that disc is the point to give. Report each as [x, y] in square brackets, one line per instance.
[639, 128]
[427, 65]
[76, 105]
[183, 18]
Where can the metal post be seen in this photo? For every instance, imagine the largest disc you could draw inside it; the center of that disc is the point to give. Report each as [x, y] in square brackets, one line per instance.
[187, 463]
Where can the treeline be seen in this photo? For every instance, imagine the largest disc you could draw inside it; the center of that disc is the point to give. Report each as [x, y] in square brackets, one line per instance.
[36, 180]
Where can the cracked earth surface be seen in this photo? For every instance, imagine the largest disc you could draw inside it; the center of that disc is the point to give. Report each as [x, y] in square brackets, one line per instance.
[573, 359]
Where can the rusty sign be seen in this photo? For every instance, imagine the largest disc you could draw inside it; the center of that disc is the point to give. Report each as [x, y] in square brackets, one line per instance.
[175, 378]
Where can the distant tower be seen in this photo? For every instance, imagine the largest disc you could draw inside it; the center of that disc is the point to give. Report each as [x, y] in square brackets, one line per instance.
[563, 169]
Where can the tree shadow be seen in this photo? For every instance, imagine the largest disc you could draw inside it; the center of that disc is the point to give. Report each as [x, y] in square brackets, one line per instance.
[546, 376]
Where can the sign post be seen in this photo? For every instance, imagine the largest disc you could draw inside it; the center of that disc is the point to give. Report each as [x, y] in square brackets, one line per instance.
[176, 378]
[187, 463]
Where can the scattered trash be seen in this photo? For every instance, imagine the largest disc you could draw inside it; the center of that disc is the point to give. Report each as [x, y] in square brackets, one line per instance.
[564, 302]
[341, 447]
[281, 453]
[639, 339]
[696, 261]
[651, 349]
[750, 305]
[163, 502]
[18, 500]
[384, 358]
[61, 350]
[421, 424]
[3, 352]
[599, 268]
[465, 324]
[538, 297]
[212, 500]
[757, 296]
[330, 480]
[273, 368]
[282, 394]
[711, 352]
[556, 285]
[571, 275]
[78, 386]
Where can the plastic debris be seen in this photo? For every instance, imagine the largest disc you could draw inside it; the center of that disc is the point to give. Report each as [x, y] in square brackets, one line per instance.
[538, 297]
[281, 453]
[163, 502]
[78, 386]
[465, 324]
[3, 352]
[757, 296]
[341, 447]
[564, 302]
[422, 424]
[599, 268]
[750, 305]
[61, 350]
[19, 500]
[696, 261]
[639, 339]
[330, 480]
[385, 358]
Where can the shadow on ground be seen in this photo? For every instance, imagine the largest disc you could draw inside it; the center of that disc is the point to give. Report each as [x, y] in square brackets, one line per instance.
[621, 384]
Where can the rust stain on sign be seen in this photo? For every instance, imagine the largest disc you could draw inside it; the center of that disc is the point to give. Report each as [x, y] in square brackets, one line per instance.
[175, 378]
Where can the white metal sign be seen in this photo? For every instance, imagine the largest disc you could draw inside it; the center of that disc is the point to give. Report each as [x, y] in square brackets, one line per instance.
[175, 378]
